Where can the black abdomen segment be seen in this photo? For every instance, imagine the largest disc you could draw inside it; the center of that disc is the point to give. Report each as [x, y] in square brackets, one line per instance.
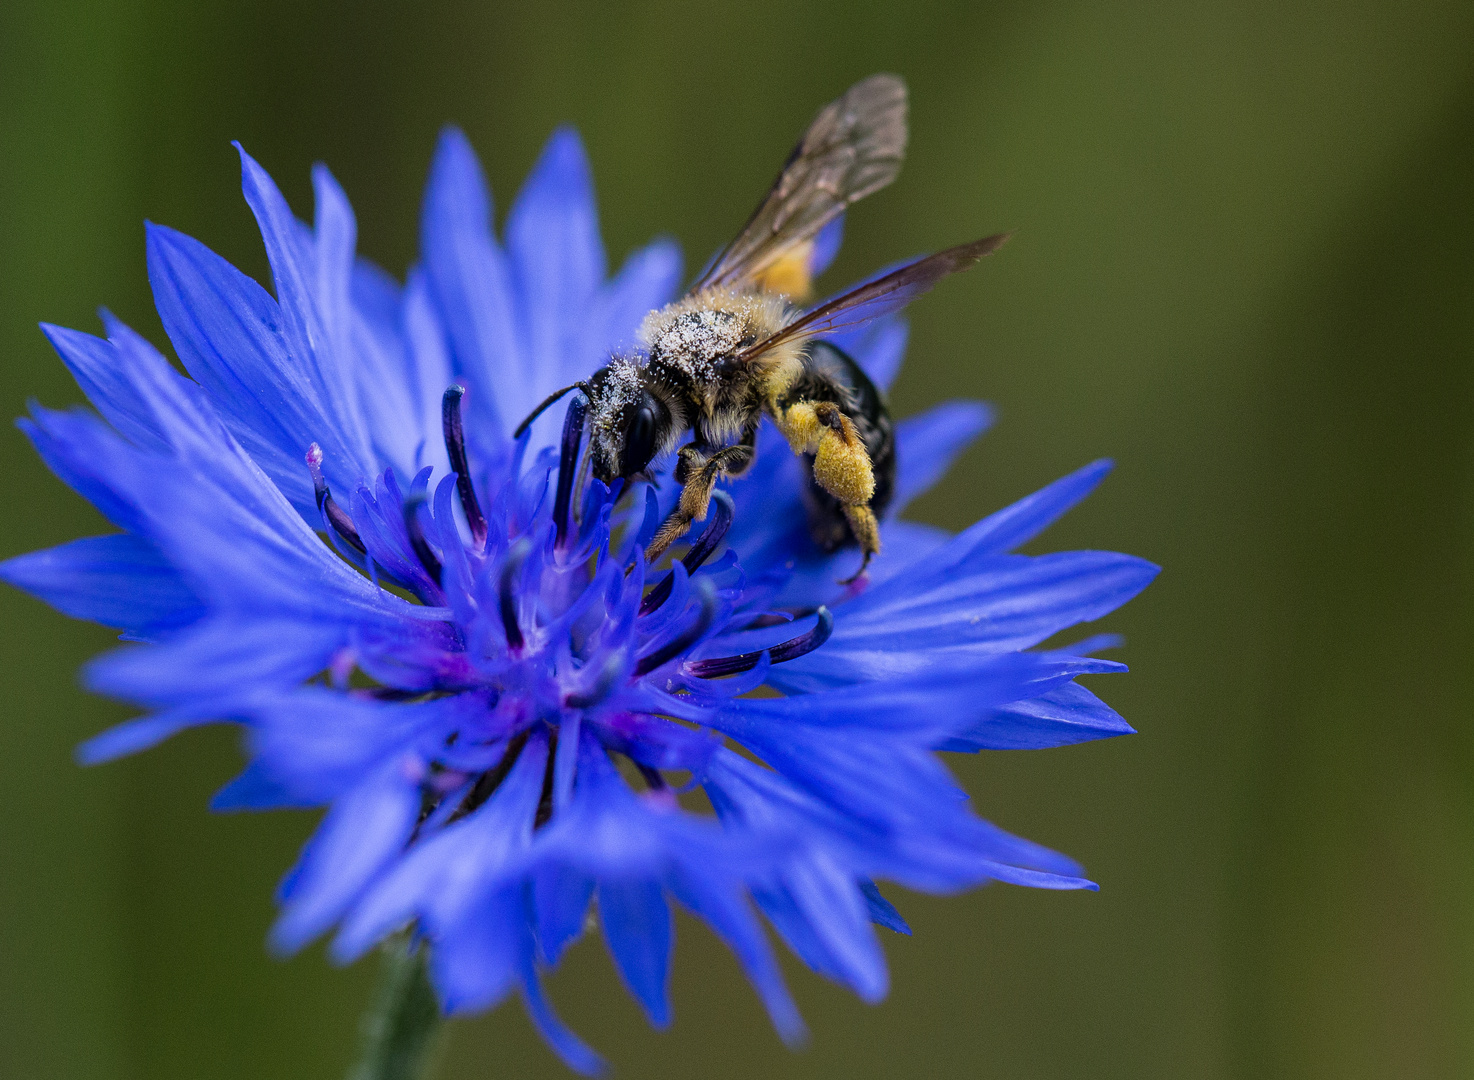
[830, 374]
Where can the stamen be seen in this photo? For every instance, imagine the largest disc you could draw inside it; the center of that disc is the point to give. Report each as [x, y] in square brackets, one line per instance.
[487, 783]
[568, 464]
[613, 668]
[653, 780]
[791, 649]
[455, 447]
[332, 513]
[683, 641]
[545, 800]
[700, 551]
[417, 539]
[507, 596]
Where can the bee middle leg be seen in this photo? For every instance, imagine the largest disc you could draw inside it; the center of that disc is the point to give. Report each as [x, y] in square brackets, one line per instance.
[697, 471]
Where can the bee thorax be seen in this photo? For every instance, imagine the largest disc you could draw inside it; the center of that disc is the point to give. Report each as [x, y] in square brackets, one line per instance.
[698, 337]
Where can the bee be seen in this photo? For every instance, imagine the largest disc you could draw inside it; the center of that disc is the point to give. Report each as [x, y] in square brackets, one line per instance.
[736, 348]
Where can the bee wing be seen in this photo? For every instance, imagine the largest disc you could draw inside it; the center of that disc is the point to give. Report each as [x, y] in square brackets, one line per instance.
[854, 147]
[880, 297]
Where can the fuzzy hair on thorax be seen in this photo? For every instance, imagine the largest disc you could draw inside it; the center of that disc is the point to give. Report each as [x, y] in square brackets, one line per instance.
[694, 341]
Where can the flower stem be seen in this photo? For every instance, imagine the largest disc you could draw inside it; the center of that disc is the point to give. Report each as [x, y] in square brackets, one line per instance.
[400, 1027]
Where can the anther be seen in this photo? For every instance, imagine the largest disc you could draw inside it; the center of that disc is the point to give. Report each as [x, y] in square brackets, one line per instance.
[700, 551]
[487, 783]
[791, 649]
[332, 513]
[686, 639]
[417, 539]
[507, 593]
[653, 780]
[545, 800]
[568, 464]
[455, 448]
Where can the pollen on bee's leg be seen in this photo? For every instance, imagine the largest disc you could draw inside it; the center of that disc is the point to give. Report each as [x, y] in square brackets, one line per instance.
[333, 516]
[800, 426]
[842, 468]
[867, 532]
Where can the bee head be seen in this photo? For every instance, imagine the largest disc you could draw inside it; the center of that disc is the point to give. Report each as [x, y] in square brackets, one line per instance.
[630, 422]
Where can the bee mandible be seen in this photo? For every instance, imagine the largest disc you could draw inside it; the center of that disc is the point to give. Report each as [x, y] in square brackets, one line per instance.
[735, 348]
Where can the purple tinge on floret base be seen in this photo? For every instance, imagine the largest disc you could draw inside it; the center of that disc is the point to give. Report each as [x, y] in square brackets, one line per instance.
[498, 705]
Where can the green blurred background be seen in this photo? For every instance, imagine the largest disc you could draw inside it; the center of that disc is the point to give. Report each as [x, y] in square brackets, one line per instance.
[1244, 269]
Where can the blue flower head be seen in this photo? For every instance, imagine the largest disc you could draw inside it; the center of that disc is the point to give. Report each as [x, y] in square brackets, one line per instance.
[327, 535]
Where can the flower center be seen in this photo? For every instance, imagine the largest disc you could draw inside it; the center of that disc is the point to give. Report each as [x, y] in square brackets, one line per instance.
[544, 621]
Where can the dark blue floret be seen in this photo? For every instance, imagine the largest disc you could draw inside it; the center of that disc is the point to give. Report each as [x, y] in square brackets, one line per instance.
[450, 639]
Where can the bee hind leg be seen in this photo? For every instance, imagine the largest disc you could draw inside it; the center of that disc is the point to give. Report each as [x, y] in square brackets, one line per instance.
[698, 475]
[841, 467]
[867, 532]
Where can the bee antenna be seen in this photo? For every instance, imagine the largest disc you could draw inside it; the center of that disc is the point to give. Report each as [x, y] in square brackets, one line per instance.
[547, 402]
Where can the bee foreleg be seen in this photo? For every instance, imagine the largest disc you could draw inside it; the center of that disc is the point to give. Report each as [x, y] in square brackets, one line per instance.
[698, 475]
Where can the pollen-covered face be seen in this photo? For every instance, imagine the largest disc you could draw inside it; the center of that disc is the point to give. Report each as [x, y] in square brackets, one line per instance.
[629, 425]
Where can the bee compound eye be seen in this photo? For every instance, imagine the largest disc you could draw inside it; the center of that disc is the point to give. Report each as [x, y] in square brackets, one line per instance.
[639, 437]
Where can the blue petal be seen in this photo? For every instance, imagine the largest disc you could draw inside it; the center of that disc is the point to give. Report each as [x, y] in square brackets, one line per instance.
[289, 251]
[221, 523]
[141, 734]
[913, 703]
[312, 272]
[637, 928]
[954, 606]
[562, 897]
[225, 659]
[120, 581]
[576, 1054]
[732, 920]
[469, 277]
[363, 832]
[882, 911]
[319, 742]
[884, 807]
[480, 958]
[404, 367]
[443, 879]
[55, 437]
[826, 246]
[823, 916]
[558, 266]
[108, 385]
[228, 333]
[257, 787]
[927, 444]
[1015, 525]
[1066, 715]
